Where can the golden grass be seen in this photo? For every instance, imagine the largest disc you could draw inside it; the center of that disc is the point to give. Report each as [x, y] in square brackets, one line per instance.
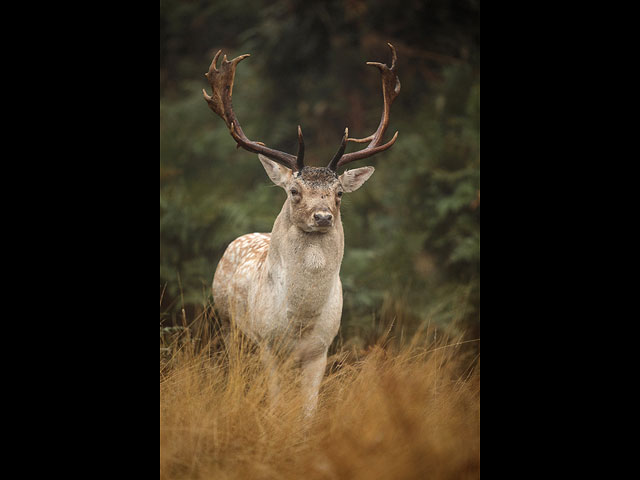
[396, 411]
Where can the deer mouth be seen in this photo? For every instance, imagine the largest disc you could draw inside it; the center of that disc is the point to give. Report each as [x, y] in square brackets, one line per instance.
[317, 229]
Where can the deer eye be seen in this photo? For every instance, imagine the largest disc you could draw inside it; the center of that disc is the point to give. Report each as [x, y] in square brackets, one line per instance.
[294, 191]
[340, 194]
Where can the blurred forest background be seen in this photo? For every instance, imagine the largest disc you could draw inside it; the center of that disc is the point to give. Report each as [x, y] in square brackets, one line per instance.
[412, 233]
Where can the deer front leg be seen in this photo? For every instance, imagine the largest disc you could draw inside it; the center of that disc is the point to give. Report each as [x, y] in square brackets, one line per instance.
[312, 374]
[313, 361]
[270, 364]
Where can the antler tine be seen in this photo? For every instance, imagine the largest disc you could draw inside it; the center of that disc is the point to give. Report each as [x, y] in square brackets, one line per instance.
[390, 90]
[221, 80]
[333, 164]
[300, 157]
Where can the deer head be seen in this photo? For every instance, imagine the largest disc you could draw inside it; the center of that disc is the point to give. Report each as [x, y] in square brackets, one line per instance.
[314, 193]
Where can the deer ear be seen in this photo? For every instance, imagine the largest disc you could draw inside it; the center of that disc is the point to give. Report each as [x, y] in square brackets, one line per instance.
[352, 180]
[278, 174]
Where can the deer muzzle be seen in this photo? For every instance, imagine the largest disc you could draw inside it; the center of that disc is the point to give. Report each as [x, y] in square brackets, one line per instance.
[323, 219]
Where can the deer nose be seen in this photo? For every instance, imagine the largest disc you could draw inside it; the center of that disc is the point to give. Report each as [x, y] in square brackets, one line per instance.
[323, 219]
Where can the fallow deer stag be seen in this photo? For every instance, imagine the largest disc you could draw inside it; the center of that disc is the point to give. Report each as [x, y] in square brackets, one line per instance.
[282, 289]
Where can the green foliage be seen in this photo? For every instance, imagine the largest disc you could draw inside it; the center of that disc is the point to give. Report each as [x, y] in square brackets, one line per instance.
[413, 231]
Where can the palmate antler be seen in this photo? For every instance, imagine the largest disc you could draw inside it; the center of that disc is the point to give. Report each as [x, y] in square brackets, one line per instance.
[221, 81]
[220, 102]
[390, 90]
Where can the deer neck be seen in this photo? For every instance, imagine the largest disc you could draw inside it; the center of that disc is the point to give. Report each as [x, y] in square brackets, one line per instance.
[306, 264]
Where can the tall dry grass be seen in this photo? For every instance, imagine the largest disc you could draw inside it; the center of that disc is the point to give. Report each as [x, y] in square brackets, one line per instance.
[398, 410]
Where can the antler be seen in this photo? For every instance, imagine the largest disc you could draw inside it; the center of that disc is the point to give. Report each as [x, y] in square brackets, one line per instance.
[220, 102]
[390, 90]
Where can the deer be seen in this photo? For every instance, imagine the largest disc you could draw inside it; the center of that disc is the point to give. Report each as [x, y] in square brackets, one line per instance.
[282, 289]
